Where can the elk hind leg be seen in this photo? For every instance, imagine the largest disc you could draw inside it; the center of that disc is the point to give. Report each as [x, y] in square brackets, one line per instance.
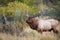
[55, 30]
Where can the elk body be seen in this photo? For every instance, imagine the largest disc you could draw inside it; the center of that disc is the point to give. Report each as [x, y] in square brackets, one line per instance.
[42, 25]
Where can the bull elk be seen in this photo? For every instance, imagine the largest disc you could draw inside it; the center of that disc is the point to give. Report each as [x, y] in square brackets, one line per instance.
[42, 25]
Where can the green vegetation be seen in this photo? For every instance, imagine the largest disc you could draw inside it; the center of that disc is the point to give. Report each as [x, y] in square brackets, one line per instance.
[15, 11]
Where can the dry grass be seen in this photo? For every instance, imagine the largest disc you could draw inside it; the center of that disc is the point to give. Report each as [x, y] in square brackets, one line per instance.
[32, 35]
[29, 34]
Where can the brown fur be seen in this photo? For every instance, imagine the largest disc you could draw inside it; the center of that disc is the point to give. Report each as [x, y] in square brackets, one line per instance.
[33, 23]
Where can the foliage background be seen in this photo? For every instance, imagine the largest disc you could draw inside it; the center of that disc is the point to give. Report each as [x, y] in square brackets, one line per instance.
[13, 15]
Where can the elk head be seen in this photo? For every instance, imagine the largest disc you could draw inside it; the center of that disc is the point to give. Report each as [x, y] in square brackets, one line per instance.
[32, 22]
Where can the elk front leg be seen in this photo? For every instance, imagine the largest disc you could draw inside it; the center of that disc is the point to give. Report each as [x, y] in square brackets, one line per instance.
[40, 31]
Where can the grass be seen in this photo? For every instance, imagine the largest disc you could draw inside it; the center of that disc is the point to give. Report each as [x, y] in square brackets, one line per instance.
[33, 35]
[29, 34]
